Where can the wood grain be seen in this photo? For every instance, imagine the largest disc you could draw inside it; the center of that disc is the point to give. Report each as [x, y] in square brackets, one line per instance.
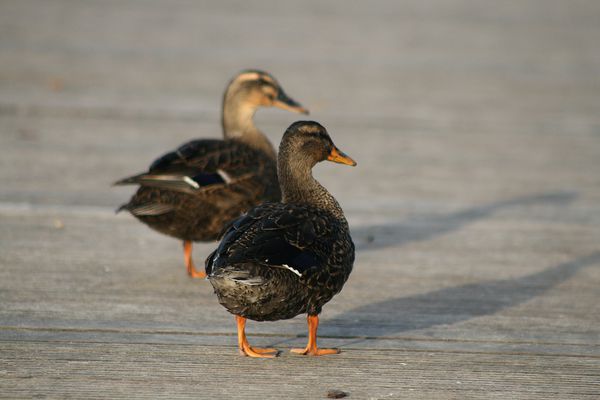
[475, 205]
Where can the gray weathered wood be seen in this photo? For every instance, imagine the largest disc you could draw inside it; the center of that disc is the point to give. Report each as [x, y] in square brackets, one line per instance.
[475, 205]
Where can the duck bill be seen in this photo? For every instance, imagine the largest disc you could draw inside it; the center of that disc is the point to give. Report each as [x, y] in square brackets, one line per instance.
[286, 103]
[338, 156]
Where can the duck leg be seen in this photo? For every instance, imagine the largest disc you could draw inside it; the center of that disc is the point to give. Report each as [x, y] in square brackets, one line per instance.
[191, 269]
[311, 348]
[244, 346]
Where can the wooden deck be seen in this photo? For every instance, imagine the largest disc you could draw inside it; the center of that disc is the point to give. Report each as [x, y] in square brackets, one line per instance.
[475, 205]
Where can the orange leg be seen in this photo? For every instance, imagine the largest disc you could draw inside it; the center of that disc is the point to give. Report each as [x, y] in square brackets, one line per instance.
[244, 346]
[311, 348]
[191, 269]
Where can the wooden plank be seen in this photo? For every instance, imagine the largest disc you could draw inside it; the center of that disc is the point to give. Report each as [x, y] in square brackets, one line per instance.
[187, 371]
[139, 284]
[474, 207]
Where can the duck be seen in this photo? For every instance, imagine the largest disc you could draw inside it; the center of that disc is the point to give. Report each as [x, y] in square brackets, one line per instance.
[286, 258]
[192, 192]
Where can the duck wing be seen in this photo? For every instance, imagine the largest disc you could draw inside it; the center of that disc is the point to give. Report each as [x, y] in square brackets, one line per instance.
[278, 235]
[198, 165]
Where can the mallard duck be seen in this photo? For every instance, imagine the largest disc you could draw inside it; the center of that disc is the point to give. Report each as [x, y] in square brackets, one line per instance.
[283, 259]
[192, 192]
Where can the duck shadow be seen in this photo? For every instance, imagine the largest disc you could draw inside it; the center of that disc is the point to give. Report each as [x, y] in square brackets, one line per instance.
[424, 227]
[449, 305]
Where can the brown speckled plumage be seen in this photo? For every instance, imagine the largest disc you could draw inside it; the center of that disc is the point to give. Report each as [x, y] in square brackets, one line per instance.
[193, 192]
[288, 258]
[199, 214]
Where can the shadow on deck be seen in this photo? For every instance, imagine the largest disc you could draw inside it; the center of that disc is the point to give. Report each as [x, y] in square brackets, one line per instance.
[425, 227]
[451, 305]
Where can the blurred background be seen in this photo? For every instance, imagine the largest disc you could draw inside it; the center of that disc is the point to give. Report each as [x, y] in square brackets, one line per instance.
[434, 99]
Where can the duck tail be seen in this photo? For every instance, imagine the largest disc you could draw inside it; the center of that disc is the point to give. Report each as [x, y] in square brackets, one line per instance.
[122, 207]
[130, 180]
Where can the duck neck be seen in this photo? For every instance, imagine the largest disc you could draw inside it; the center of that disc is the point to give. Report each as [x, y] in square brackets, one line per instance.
[299, 186]
[238, 123]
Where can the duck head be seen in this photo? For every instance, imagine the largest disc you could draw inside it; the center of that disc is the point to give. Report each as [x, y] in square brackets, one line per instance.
[246, 92]
[305, 143]
[260, 89]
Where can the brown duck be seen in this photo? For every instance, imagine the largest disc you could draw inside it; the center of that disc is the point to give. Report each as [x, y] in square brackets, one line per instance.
[291, 257]
[193, 192]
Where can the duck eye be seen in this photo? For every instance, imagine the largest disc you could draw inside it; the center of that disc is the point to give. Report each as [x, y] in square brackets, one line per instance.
[268, 91]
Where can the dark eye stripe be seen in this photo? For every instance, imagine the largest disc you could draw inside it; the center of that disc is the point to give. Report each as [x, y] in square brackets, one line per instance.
[318, 135]
[264, 82]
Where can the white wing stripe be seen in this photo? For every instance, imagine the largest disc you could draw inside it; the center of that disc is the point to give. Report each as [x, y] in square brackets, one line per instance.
[224, 176]
[292, 269]
[191, 182]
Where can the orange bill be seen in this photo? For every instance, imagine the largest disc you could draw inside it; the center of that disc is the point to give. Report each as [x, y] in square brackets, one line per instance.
[338, 156]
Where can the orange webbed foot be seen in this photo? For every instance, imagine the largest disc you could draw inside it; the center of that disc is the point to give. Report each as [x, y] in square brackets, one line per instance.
[258, 352]
[244, 346]
[315, 351]
[311, 348]
[193, 273]
[189, 264]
